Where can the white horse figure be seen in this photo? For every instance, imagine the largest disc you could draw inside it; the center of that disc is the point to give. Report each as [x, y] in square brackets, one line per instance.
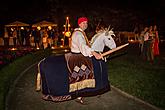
[55, 76]
[102, 39]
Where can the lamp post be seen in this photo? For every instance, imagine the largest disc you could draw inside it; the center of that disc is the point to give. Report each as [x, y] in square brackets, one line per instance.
[67, 32]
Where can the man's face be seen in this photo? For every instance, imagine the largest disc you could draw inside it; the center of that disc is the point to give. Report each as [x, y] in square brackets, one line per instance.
[83, 25]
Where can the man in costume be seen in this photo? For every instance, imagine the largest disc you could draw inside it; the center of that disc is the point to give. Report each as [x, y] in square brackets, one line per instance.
[80, 43]
[80, 73]
[81, 59]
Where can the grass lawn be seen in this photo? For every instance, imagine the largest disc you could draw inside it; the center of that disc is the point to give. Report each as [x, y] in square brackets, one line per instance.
[130, 73]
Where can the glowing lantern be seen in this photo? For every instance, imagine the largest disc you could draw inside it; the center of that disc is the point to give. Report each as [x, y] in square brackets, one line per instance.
[49, 27]
[39, 28]
[68, 34]
[22, 28]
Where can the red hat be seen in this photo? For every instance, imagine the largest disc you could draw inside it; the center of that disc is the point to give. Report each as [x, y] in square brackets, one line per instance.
[82, 19]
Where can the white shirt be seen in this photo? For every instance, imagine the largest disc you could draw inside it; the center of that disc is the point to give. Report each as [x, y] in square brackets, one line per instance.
[78, 43]
[146, 36]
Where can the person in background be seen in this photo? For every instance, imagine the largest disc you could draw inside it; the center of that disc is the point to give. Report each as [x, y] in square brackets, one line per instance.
[15, 37]
[145, 36]
[37, 38]
[141, 41]
[6, 38]
[44, 39]
[156, 41]
[150, 56]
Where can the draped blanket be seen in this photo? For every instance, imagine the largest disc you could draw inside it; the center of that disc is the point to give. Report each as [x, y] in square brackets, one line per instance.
[81, 74]
[64, 80]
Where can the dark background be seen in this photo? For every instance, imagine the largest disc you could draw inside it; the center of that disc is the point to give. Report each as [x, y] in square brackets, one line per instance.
[123, 15]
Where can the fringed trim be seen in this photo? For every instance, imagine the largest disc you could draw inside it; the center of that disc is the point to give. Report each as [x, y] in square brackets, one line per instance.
[38, 80]
[88, 83]
[56, 98]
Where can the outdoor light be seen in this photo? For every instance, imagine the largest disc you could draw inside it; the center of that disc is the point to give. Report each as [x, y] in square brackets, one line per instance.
[12, 29]
[39, 28]
[68, 34]
[13, 48]
[52, 47]
[65, 50]
[49, 27]
[22, 28]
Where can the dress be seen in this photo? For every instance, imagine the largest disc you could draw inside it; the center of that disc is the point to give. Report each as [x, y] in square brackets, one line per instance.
[156, 44]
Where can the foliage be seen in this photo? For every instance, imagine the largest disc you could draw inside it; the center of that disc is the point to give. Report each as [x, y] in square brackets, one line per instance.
[7, 56]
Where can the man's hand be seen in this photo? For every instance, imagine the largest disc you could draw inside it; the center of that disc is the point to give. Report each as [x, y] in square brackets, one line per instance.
[97, 55]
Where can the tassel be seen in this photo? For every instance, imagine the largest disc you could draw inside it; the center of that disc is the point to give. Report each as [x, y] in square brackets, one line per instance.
[38, 83]
[38, 80]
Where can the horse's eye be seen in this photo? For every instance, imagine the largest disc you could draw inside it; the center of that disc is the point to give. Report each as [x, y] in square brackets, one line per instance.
[109, 38]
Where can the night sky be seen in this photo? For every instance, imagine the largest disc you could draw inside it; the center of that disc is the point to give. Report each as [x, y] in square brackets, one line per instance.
[32, 10]
[19, 8]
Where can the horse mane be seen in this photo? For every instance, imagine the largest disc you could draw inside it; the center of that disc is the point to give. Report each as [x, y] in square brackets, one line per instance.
[97, 35]
[101, 31]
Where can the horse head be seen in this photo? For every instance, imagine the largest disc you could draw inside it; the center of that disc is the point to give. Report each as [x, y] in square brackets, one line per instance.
[102, 39]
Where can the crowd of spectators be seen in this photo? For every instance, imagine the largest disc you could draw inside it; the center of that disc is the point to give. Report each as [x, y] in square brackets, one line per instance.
[31, 37]
[149, 43]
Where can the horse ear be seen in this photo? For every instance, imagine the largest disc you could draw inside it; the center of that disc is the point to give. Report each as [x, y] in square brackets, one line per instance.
[109, 27]
[107, 31]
